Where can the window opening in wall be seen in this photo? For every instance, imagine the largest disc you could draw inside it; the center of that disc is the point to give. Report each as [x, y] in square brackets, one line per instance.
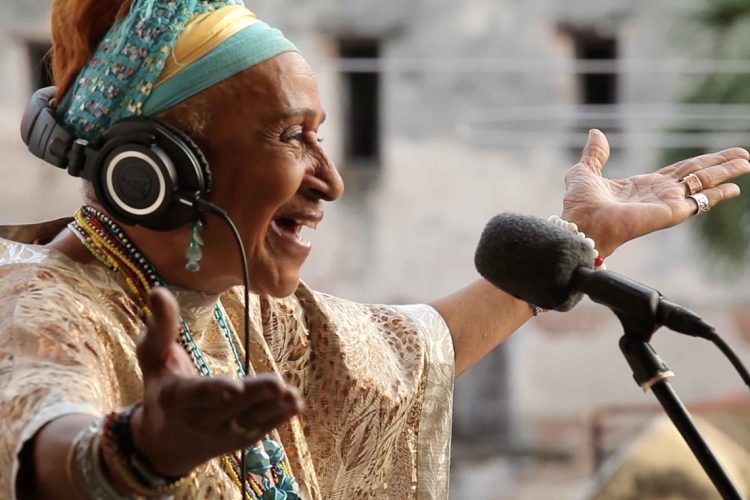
[596, 87]
[362, 104]
[41, 75]
[598, 82]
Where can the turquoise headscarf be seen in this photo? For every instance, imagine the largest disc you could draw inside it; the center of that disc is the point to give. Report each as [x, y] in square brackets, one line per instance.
[119, 80]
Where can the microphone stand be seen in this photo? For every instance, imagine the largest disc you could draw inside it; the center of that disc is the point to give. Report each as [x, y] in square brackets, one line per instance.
[650, 372]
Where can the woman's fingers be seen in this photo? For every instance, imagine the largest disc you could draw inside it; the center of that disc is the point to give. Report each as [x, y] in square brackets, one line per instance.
[690, 165]
[719, 174]
[210, 403]
[596, 151]
[222, 394]
[252, 424]
[267, 414]
[163, 327]
[715, 196]
[197, 393]
[250, 428]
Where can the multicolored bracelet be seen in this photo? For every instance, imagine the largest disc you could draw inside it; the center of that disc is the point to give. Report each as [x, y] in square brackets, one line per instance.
[84, 465]
[130, 466]
[537, 310]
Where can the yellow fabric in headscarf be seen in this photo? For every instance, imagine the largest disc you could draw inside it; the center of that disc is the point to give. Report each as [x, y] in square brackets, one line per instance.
[202, 34]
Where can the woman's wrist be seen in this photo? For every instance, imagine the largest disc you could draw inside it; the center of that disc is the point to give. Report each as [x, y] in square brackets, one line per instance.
[598, 258]
[87, 470]
[110, 473]
[131, 471]
[149, 448]
[601, 236]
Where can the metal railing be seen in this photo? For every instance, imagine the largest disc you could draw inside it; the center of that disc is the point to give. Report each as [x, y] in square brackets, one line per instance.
[493, 66]
[629, 124]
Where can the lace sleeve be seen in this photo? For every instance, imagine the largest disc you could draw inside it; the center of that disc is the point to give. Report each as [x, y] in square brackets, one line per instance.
[54, 359]
[434, 443]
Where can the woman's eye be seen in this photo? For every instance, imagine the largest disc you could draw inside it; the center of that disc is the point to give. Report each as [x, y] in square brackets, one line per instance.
[294, 135]
[293, 138]
[300, 136]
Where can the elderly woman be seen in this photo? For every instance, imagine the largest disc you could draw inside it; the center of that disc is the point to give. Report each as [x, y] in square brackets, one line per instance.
[109, 387]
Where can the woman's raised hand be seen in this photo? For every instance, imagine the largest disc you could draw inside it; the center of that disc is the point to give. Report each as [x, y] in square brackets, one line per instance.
[614, 211]
[186, 419]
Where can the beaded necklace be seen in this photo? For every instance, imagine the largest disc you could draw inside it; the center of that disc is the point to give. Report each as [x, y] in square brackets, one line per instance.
[268, 471]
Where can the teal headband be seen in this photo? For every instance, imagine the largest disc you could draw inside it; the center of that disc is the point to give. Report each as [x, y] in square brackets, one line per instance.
[254, 44]
[118, 81]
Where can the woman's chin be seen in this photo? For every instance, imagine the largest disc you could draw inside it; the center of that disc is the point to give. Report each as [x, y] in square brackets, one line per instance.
[284, 292]
[280, 287]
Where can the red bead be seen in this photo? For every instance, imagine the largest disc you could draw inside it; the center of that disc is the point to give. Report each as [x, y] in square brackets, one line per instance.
[598, 262]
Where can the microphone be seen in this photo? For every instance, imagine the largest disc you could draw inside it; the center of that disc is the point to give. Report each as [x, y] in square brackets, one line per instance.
[548, 266]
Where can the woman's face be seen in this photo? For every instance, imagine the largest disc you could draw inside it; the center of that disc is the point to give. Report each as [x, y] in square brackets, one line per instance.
[270, 173]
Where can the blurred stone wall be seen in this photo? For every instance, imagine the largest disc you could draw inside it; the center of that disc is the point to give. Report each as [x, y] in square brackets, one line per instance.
[405, 231]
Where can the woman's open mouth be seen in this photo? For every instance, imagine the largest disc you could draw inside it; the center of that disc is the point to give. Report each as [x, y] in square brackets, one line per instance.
[286, 230]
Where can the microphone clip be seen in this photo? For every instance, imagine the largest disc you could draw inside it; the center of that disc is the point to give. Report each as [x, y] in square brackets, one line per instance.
[641, 310]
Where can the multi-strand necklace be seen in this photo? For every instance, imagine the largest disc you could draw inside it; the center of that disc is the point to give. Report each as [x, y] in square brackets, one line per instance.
[268, 471]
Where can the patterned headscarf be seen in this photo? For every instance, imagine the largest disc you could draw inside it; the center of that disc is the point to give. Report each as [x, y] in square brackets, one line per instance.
[161, 53]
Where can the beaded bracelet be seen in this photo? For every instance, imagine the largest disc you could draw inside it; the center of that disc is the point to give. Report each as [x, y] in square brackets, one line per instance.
[536, 310]
[599, 264]
[129, 464]
[84, 465]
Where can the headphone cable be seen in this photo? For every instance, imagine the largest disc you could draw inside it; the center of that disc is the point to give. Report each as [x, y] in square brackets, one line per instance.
[206, 206]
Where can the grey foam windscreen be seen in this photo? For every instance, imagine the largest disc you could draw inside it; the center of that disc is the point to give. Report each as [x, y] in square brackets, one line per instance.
[532, 259]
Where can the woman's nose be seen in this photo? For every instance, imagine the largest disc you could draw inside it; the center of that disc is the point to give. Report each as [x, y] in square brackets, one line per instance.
[326, 181]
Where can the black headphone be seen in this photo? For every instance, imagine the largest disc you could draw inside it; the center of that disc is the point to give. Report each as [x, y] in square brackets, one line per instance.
[144, 172]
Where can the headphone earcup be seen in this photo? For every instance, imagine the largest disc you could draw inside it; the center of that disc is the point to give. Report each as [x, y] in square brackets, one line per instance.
[136, 182]
[192, 149]
[141, 167]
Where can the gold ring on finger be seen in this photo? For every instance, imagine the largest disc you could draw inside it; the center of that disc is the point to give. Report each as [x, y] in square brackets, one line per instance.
[692, 184]
[702, 200]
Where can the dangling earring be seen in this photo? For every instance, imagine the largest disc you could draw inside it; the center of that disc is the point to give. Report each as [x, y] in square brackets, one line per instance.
[194, 253]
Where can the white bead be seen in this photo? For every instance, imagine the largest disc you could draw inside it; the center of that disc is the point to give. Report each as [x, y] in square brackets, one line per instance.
[573, 228]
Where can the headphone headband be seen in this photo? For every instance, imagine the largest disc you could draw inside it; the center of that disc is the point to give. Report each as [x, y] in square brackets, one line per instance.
[46, 138]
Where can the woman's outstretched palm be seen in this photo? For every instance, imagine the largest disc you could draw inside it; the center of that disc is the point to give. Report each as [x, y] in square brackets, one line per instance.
[613, 211]
[186, 419]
